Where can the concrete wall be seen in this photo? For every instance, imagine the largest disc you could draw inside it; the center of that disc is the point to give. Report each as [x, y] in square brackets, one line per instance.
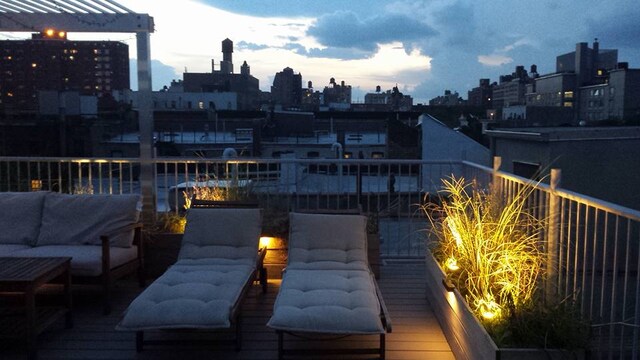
[604, 168]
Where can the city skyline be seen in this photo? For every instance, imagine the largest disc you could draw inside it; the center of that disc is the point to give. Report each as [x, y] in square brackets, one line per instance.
[425, 47]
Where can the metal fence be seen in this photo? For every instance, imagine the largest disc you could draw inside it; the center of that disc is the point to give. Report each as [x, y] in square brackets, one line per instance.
[593, 247]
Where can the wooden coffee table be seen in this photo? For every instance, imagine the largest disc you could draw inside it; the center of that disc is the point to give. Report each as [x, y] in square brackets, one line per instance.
[22, 277]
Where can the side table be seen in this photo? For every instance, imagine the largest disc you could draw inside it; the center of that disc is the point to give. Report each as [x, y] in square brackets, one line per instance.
[23, 277]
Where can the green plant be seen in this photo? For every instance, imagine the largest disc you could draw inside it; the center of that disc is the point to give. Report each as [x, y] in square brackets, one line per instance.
[489, 248]
[542, 325]
[488, 245]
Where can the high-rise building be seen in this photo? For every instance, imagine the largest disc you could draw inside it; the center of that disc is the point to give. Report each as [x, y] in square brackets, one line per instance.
[244, 84]
[287, 88]
[481, 95]
[51, 62]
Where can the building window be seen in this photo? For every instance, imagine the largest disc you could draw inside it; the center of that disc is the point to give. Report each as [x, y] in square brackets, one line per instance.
[201, 105]
[377, 155]
[347, 155]
[568, 94]
[612, 91]
[568, 104]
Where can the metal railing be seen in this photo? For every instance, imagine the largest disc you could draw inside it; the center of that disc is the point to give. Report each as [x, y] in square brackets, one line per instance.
[593, 247]
[593, 257]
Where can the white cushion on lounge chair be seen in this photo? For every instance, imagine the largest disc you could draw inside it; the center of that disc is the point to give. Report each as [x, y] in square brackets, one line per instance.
[327, 301]
[319, 241]
[217, 258]
[86, 259]
[188, 296]
[223, 233]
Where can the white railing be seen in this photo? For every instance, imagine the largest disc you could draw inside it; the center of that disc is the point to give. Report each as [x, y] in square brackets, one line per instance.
[593, 246]
[593, 257]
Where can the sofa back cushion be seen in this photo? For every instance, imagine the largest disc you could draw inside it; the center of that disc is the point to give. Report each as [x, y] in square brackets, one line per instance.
[327, 242]
[82, 219]
[222, 233]
[20, 217]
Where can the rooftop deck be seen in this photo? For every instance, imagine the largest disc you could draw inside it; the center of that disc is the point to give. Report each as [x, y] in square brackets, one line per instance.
[416, 332]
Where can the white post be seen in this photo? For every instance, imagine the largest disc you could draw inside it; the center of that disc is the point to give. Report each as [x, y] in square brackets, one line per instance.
[145, 119]
[495, 180]
[553, 237]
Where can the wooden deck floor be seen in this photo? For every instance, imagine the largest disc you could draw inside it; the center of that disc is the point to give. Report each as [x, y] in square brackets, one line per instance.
[416, 333]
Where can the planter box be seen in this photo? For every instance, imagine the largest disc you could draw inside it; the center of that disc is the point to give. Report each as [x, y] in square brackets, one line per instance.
[466, 336]
[161, 251]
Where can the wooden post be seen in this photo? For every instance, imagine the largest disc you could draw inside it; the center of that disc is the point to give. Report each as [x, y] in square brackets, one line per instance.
[553, 237]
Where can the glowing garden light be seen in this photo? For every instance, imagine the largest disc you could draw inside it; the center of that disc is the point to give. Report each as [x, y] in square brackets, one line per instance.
[452, 264]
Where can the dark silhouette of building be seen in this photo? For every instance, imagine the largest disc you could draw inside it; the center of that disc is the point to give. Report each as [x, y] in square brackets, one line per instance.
[481, 95]
[50, 62]
[287, 89]
[335, 94]
[224, 80]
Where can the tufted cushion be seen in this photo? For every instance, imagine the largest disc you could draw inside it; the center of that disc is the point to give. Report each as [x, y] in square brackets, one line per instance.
[327, 301]
[188, 296]
[86, 260]
[81, 219]
[319, 241]
[21, 217]
[223, 233]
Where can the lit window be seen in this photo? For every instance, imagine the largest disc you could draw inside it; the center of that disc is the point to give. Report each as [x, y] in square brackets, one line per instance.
[377, 155]
[568, 94]
[568, 104]
[34, 65]
[600, 72]
[200, 104]
[347, 155]
[71, 57]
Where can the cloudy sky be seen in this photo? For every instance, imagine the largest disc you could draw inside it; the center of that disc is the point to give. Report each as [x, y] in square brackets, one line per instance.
[423, 46]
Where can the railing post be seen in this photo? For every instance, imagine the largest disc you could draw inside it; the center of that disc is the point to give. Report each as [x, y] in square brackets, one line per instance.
[495, 179]
[553, 237]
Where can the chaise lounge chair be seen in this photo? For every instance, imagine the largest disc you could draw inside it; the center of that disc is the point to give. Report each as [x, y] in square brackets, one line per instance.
[328, 287]
[218, 261]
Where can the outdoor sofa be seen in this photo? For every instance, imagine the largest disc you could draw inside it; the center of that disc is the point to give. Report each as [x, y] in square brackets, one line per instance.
[328, 287]
[218, 261]
[101, 233]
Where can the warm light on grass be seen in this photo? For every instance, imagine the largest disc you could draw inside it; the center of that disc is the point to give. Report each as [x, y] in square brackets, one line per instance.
[493, 243]
[452, 264]
[266, 242]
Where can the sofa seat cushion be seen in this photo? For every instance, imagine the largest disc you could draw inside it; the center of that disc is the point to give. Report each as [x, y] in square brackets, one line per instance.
[21, 217]
[6, 249]
[86, 260]
[188, 296]
[82, 219]
[327, 242]
[327, 301]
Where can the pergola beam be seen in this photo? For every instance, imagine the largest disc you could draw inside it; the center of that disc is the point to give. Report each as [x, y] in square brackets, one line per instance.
[76, 22]
[98, 16]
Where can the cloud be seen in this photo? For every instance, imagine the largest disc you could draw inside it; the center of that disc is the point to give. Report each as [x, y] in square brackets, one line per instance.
[162, 74]
[243, 45]
[621, 29]
[494, 60]
[344, 29]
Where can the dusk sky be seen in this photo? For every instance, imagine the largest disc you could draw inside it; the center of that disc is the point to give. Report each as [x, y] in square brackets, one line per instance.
[425, 46]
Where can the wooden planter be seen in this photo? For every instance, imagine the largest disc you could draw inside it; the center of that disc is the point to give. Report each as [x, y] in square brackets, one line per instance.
[466, 336]
[161, 251]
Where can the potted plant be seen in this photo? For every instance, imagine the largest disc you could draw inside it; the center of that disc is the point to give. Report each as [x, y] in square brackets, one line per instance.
[483, 273]
[275, 231]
